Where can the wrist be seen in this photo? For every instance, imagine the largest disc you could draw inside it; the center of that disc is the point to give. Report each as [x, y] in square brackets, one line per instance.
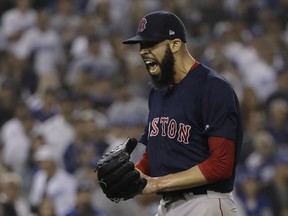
[159, 184]
[152, 186]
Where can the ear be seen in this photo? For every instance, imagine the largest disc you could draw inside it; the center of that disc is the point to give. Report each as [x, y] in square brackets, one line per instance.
[175, 45]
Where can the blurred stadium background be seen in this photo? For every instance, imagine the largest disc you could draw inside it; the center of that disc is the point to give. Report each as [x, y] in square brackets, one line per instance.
[69, 91]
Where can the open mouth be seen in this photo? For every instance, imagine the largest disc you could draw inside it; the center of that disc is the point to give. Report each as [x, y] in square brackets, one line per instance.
[151, 65]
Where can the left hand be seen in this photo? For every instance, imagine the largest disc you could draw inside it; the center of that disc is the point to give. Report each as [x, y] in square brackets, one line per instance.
[117, 176]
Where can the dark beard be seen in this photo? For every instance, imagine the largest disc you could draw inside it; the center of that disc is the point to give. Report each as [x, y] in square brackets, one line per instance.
[166, 76]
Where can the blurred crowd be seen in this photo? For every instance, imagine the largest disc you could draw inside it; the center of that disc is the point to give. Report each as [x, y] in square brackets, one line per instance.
[70, 91]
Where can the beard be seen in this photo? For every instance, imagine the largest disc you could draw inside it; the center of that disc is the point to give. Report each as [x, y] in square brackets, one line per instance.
[167, 72]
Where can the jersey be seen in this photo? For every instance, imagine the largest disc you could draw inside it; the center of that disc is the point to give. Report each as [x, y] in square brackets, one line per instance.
[182, 118]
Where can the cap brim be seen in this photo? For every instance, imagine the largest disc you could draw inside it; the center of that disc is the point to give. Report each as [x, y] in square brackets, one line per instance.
[137, 39]
[134, 40]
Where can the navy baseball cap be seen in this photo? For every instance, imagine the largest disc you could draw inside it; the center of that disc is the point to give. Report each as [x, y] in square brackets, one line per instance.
[158, 26]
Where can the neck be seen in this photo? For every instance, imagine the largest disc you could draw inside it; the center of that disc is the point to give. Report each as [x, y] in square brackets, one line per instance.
[183, 64]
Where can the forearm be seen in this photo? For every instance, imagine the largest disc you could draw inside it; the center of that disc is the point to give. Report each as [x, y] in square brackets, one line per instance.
[186, 179]
[217, 167]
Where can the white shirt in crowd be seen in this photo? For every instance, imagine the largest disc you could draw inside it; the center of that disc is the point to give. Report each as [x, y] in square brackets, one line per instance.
[58, 133]
[61, 188]
[47, 49]
[255, 73]
[14, 20]
[16, 145]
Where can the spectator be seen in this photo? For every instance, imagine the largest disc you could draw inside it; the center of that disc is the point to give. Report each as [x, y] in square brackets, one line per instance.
[52, 182]
[65, 21]
[84, 204]
[277, 189]
[282, 87]
[17, 20]
[132, 108]
[99, 63]
[252, 200]
[261, 75]
[134, 111]
[12, 202]
[92, 73]
[58, 131]
[88, 146]
[254, 124]
[277, 122]
[15, 137]
[260, 161]
[43, 44]
[47, 106]
[249, 104]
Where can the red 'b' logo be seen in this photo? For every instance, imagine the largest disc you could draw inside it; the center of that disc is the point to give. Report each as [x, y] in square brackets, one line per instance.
[142, 25]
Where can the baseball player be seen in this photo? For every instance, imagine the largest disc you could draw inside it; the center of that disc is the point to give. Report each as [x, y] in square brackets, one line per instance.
[194, 132]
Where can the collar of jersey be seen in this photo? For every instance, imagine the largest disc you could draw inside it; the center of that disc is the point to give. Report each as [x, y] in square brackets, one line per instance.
[196, 63]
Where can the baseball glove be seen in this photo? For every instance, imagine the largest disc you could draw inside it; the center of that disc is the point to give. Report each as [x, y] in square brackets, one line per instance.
[117, 176]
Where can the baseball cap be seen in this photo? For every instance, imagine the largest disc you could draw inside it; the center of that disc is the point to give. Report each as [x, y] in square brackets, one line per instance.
[158, 26]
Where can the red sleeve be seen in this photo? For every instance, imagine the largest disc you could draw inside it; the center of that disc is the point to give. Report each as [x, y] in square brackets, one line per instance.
[143, 164]
[219, 165]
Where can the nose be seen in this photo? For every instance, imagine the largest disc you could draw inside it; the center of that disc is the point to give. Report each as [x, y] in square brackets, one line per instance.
[143, 51]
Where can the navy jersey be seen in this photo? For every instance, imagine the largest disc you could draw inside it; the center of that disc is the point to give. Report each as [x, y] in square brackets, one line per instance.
[182, 118]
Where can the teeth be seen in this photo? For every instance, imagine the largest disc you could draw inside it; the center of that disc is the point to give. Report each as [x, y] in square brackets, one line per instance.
[148, 62]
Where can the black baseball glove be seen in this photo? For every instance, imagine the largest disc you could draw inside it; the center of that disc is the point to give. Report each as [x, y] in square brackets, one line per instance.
[117, 176]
